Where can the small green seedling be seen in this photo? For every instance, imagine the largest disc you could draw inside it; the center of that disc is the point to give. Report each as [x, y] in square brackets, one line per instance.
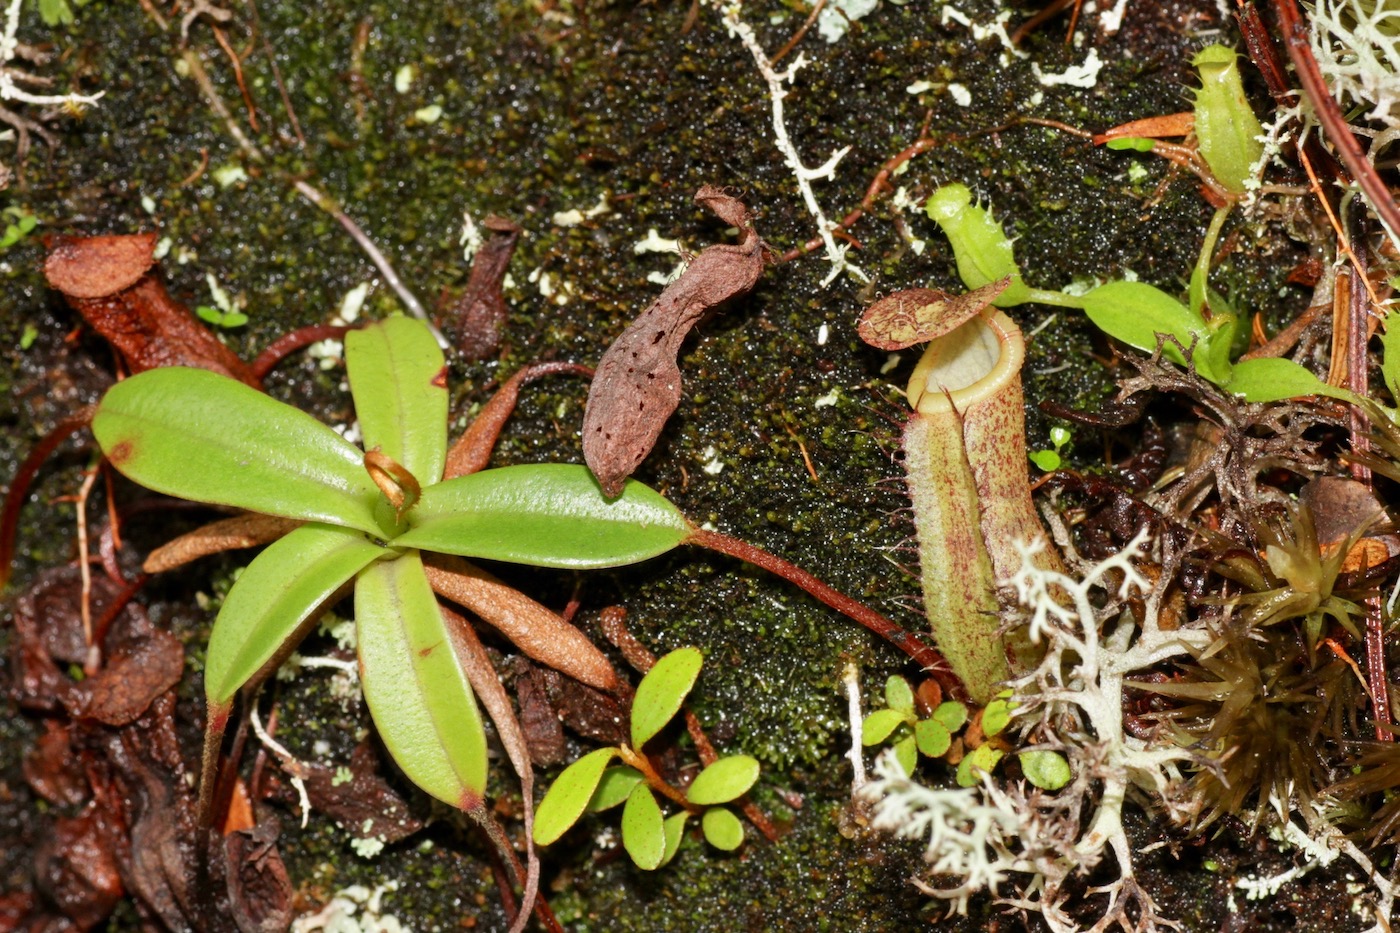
[19, 224]
[899, 720]
[1050, 460]
[593, 784]
[224, 319]
[1136, 313]
[933, 737]
[223, 313]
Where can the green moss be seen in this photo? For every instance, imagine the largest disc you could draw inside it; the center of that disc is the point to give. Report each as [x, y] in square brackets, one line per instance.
[540, 117]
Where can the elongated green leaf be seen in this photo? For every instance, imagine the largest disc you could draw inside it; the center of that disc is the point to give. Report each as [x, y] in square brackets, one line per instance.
[643, 830]
[674, 826]
[723, 781]
[280, 591]
[722, 829]
[414, 684]
[398, 378]
[662, 691]
[1270, 380]
[198, 435]
[569, 795]
[616, 784]
[548, 515]
[879, 725]
[1135, 313]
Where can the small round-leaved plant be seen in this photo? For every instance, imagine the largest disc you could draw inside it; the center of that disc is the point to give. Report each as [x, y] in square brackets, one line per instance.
[594, 784]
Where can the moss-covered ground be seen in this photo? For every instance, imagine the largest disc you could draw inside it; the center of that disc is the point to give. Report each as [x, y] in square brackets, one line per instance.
[546, 108]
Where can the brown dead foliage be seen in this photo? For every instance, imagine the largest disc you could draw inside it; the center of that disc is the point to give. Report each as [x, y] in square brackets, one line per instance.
[365, 803]
[539, 722]
[638, 383]
[110, 760]
[473, 323]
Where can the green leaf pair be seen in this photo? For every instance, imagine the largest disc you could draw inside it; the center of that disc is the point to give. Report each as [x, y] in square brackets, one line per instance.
[593, 784]
[202, 436]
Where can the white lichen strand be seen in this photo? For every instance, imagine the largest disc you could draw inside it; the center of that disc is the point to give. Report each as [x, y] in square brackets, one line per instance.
[967, 831]
[295, 769]
[9, 75]
[850, 676]
[777, 92]
[1357, 48]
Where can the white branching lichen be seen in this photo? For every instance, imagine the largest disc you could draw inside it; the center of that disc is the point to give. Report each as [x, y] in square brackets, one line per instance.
[777, 82]
[16, 83]
[1072, 702]
[1357, 47]
[967, 830]
[1024, 844]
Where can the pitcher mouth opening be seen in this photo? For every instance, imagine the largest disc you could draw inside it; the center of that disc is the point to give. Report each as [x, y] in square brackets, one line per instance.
[970, 363]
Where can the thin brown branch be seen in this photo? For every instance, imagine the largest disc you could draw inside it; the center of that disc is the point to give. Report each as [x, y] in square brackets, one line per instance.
[238, 77]
[276, 74]
[797, 36]
[289, 343]
[19, 486]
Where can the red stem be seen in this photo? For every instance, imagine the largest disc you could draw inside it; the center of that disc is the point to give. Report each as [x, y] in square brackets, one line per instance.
[910, 644]
[278, 350]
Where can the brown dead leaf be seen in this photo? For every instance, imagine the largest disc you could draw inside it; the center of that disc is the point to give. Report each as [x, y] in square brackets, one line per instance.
[474, 321]
[365, 803]
[1172, 124]
[52, 769]
[141, 670]
[591, 713]
[247, 530]
[918, 315]
[147, 783]
[98, 266]
[76, 870]
[259, 891]
[544, 734]
[638, 384]
[1341, 507]
[534, 629]
[109, 281]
